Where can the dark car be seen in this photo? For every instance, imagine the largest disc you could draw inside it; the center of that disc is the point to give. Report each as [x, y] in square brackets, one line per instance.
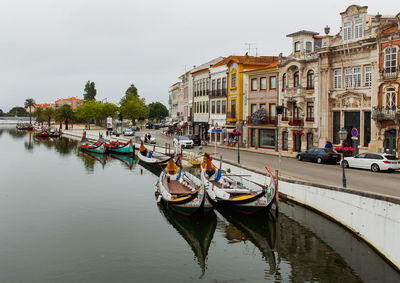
[149, 126]
[157, 126]
[319, 155]
[135, 128]
[195, 138]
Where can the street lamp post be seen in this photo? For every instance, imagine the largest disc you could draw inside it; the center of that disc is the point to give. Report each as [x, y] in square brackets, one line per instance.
[238, 134]
[343, 135]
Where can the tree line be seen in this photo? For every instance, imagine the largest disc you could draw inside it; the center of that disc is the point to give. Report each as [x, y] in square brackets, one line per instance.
[131, 106]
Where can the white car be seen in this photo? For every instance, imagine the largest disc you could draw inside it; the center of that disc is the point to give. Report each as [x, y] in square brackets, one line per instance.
[373, 161]
[128, 132]
[152, 139]
[183, 142]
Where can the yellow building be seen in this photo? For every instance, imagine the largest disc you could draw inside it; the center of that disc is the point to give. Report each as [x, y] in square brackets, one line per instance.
[237, 89]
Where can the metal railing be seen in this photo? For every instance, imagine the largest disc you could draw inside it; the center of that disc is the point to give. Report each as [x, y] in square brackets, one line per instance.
[263, 120]
[385, 113]
[392, 73]
[296, 122]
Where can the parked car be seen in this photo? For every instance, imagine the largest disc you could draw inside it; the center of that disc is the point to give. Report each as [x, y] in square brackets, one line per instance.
[373, 161]
[319, 155]
[149, 126]
[128, 132]
[195, 138]
[183, 142]
[146, 140]
[135, 128]
[156, 126]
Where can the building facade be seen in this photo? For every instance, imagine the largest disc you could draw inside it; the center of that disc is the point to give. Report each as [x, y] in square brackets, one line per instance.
[72, 101]
[299, 82]
[262, 99]
[174, 91]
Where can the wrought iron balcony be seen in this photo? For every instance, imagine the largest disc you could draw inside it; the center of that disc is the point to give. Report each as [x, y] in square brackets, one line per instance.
[261, 120]
[385, 113]
[296, 122]
[224, 92]
[390, 73]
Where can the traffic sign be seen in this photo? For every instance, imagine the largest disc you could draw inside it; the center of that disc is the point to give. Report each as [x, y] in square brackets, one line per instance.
[216, 130]
[354, 132]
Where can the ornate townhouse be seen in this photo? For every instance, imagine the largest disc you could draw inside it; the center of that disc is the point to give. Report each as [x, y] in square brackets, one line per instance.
[174, 91]
[186, 89]
[236, 95]
[386, 109]
[218, 101]
[349, 80]
[299, 82]
[201, 104]
[262, 99]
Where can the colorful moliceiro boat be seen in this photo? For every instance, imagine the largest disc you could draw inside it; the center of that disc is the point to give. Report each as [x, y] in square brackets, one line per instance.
[182, 191]
[97, 147]
[120, 147]
[42, 133]
[234, 192]
[152, 158]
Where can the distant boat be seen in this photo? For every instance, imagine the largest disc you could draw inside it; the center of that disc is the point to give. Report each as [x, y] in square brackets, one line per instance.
[181, 190]
[42, 133]
[24, 126]
[97, 147]
[230, 191]
[120, 147]
[149, 157]
[198, 232]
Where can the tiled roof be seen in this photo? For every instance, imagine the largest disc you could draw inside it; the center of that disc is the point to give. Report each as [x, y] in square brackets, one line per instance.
[206, 65]
[68, 99]
[302, 32]
[43, 105]
[266, 67]
[248, 60]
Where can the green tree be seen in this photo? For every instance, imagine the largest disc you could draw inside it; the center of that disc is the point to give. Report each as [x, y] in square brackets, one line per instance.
[29, 102]
[130, 93]
[90, 91]
[135, 108]
[157, 111]
[39, 115]
[17, 111]
[65, 114]
[1, 113]
[108, 110]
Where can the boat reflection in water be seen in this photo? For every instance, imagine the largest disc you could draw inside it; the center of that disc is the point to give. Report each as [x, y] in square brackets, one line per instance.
[261, 231]
[90, 158]
[128, 161]
[197, 231]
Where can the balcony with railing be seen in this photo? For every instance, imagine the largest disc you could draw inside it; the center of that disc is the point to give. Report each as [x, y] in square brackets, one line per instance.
[261, 120]
[390, 73]
[296, 122]
[386, 113]
[294, 91]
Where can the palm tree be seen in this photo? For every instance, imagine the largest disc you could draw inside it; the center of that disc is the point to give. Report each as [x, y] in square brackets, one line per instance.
[65, 113]
[49, 112]
[29, 102]
[39, 115]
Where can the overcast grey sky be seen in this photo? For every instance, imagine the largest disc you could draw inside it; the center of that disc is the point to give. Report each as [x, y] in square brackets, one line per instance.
[51, 48]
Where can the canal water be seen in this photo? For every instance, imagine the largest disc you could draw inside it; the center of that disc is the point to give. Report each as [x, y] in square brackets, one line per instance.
[66, 216]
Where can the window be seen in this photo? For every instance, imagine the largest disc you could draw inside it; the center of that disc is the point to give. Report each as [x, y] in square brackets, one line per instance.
[272, 112]
[358, 28]
[223, 106]
[253, 84]
[283, 81]
[252, 137]
[357, 77]
[390, 98]
[262, 106]
[223, 83]
[218, 84]
[348, 77]
[207, 105]
[367, 76]
[267, 138]
[233, 108]
[208, 84]
[310, 111]
[308, 46]
[296, 79]
[285, 116]
[310, 79]
[204, 86]
[263, 83]
[213, 107]
[367, 128]
[336, 127]
[296, 113]
[390, 59]
[253, 108]
[233, 80]
[272, 82]
[347, 31]
[218, 107]
[213, 85]
[285, 137]
[297, 46]
[338, 78]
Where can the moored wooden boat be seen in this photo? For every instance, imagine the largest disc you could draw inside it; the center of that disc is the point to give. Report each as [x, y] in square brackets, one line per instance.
[180, 191]
[118, 147]
[42, 133]
[97, 147]
[235, 192]
[152, 158]
[24, 126]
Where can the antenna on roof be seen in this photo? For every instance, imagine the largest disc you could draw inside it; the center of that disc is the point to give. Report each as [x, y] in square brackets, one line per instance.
[249, 47]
